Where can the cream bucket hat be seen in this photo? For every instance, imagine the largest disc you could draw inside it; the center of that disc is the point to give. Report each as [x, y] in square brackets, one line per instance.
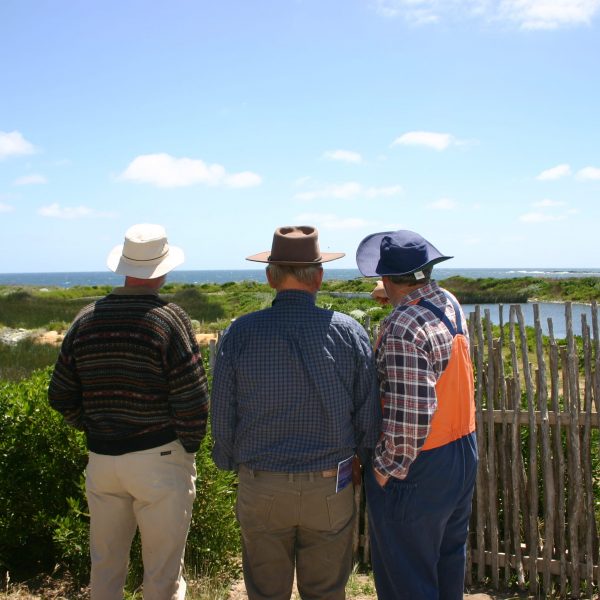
[145, 254]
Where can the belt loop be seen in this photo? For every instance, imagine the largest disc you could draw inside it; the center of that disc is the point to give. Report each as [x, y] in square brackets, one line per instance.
[290, 478]
[311, 476]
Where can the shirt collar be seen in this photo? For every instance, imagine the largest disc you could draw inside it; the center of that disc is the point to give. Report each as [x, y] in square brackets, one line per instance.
[422, 292]
[299, 296]
[134, 291]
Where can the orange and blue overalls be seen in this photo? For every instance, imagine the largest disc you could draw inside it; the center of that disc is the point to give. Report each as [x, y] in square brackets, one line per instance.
[419, 524]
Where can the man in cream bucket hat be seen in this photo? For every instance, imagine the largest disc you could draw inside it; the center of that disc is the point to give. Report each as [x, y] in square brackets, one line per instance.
[294, 398]
[130, 375]
[145, 254]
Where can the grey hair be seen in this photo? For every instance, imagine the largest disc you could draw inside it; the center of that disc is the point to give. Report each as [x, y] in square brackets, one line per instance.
[303, 274]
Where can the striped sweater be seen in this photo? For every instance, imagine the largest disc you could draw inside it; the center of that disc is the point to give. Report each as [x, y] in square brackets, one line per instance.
[130, 375]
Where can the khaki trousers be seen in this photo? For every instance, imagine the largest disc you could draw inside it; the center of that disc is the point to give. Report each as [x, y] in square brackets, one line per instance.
[294, 521]
[153, 490]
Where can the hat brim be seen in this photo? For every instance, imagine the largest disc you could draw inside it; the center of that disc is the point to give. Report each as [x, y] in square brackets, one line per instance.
[264, 257]
[369, 251]
[144, 269]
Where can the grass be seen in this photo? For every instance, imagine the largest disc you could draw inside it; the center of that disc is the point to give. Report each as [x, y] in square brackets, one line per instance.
[360, 586]
[19, 361]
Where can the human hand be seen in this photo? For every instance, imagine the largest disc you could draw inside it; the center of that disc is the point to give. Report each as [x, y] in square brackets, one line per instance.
[381, 478]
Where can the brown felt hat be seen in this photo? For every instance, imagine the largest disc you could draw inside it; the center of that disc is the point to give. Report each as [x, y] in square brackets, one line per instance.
[295, 245]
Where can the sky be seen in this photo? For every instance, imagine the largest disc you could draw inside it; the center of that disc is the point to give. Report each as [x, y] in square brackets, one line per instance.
[475, 123]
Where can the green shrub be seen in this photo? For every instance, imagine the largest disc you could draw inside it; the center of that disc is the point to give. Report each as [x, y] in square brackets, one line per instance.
[41, 461]
[43, 511]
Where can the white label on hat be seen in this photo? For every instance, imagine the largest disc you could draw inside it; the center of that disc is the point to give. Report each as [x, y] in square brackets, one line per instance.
[419, 275]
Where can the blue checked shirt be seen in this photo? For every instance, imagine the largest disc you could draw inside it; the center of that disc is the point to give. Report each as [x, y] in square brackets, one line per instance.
[294, 389]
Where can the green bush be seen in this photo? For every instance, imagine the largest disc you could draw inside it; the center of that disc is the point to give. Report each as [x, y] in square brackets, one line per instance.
[43, 510]
[41, 461]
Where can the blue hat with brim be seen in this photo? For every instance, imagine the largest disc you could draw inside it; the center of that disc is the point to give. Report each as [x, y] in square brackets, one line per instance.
[400, 252]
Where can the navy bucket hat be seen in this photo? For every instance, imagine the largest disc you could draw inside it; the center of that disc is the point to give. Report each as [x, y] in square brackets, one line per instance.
[396, 253]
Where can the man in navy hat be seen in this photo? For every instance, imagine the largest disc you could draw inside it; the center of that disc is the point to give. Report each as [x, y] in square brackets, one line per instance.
[294, 398]
[421, 480]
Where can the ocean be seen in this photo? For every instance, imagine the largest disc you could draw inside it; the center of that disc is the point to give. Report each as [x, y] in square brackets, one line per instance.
[226, 275]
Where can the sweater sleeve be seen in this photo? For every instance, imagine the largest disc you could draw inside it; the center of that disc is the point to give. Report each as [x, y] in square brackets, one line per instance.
[188, 386]
[64, 391]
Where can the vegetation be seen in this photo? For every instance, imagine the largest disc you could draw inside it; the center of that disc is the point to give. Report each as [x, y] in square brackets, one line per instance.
[214, 305]
[522, 289]
[43, 511]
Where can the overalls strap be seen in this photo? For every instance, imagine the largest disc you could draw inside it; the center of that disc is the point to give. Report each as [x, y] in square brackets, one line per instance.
[442, 316]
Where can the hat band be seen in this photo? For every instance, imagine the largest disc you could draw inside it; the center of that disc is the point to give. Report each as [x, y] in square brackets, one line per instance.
[296, 259]
[146, 259]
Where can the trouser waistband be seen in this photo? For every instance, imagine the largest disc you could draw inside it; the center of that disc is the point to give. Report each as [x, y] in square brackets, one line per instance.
[291, 476]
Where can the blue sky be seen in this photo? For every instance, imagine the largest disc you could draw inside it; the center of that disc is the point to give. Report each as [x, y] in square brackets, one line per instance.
[474, 122]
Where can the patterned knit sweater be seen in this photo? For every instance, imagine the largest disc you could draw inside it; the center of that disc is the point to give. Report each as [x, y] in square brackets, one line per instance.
[130, 375]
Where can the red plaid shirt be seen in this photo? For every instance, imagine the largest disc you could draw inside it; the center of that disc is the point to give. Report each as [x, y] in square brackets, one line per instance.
[412, 352]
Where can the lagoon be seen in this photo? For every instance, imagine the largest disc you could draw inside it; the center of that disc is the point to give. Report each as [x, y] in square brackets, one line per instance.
[548, 310]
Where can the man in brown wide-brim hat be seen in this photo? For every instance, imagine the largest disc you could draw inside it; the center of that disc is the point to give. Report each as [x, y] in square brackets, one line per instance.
[294, 399]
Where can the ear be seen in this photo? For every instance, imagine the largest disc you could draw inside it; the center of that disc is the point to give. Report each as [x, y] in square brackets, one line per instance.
[269, 280]
[319, 278]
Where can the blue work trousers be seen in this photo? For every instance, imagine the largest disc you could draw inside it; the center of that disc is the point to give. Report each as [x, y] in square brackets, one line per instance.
[419, 525]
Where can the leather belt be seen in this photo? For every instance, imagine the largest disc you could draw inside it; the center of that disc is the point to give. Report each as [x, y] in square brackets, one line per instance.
[325, 474]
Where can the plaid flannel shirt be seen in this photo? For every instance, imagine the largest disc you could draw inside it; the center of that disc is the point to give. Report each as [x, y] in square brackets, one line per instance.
[412, 352]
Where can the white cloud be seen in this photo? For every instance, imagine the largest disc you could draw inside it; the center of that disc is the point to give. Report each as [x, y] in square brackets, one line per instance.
[589, 173]
[348, 191]
[329, 221]
[526, 14]
[30, 180]
[5, 208]
[57, 211]
[243, 180]
[554, 173]
[430, 139]
[539, 217]
[548, 14]
[444, 204]
[14, 144]
[343, 155]
[163, 170]
[547, 203]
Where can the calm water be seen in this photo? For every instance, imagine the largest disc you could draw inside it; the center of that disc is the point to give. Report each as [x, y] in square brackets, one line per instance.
[548, 310]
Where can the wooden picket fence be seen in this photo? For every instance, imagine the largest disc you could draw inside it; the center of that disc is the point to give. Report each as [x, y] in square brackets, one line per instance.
[536, 508]
[537, 501]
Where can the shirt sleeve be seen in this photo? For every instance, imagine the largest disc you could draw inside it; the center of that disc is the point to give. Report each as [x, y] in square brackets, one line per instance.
[64, 391]
[223, 415]
[409, 402]
[367, 408]
[188, 386]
